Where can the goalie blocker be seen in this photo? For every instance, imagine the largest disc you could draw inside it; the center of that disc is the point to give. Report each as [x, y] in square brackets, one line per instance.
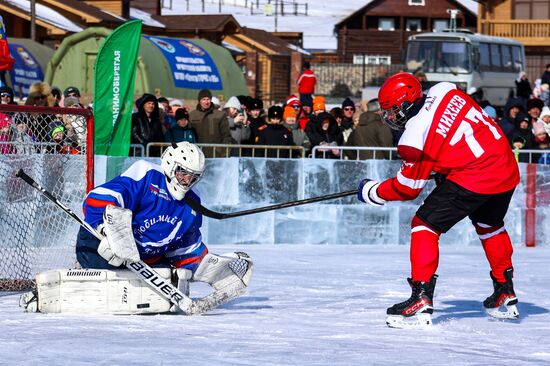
[100, 291]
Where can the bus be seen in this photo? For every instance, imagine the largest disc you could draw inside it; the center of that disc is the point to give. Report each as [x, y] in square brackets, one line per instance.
[469, 60]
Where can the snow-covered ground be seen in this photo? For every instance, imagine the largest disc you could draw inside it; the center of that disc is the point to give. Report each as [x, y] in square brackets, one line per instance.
[309, 305]
[317, 26]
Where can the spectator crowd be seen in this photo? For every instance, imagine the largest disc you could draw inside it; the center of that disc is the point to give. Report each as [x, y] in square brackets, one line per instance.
[302, 121]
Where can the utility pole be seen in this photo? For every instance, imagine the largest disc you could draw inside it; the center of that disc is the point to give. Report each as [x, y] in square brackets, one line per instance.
[33, 20]
[276, 14]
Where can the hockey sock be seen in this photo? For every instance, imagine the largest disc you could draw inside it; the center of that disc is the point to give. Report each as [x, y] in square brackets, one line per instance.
[498, 248]
[424, 251]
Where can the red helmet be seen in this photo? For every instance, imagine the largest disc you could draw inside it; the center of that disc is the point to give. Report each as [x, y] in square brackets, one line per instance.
[396, 96]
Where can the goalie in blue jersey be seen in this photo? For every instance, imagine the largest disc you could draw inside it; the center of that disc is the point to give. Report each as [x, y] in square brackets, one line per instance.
[142, 215]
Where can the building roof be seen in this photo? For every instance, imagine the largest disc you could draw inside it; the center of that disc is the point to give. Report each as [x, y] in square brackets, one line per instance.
[469, 5]
[267, 42]
[207, 22]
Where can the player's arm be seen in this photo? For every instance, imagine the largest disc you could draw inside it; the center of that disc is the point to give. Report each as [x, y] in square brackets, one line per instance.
[406, 185]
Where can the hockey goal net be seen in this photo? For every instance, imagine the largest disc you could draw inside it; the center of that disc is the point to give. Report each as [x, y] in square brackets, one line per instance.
[55, 147]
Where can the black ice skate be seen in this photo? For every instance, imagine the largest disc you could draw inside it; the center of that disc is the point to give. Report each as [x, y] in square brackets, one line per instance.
[502, 303]
[417, 310]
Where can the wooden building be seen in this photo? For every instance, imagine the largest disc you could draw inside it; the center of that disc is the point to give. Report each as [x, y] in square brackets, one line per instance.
[377, 33]
[527, 21]
[271, 64]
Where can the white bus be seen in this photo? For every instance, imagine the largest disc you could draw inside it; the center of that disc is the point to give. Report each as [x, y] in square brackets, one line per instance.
[468, 60]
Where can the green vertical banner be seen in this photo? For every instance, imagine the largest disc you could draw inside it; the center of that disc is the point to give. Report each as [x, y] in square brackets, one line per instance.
[115, 71]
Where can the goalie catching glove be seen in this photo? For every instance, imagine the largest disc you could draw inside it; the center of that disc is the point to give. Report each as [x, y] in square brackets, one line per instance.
[118, 245]
[368, 192]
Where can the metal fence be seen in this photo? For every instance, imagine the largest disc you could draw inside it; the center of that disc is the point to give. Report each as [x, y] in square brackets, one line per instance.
[229, 150]
[318, 152]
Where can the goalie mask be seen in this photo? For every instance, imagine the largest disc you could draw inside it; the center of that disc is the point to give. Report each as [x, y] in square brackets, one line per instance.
[183, 165]
[397, 98]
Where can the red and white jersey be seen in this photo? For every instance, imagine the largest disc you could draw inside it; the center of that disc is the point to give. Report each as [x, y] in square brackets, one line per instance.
[452, 135]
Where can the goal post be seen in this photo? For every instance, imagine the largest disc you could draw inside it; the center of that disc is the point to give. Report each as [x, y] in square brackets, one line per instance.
[54, 146]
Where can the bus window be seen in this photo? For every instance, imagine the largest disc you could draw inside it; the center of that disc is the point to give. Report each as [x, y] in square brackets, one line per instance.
[506, 58]
[484, 57]
[453, 57]
[420, 56]
[517, 58]
[495, 57]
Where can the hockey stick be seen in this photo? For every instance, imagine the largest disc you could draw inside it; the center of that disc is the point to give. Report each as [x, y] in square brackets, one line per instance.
[221, 216]
[143, 270]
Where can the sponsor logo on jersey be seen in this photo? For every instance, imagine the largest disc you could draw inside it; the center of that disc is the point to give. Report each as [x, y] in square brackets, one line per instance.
[159, 192]
[449, 115]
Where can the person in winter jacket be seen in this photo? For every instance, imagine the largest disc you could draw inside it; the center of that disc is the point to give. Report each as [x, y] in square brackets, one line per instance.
[508, 122]
[181, 131]
[210, 124]
[237, 120]
[371, 132]
[274, 133]
[523, 87]
[146, 125]
[306, 82]
[323, 131]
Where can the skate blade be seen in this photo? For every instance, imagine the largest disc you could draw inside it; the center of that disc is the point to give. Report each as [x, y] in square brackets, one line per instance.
[510, 313]
[422, 320]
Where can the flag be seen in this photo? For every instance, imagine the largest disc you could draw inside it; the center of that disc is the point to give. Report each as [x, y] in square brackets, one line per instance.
[115, 71]
[6, 61]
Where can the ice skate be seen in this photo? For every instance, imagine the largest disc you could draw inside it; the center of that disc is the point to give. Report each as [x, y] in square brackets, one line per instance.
[416, 312]
[502, 303]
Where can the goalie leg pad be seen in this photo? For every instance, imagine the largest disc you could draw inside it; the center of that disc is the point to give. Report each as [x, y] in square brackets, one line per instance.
[95, 291]
[228, 274]
[218, 270]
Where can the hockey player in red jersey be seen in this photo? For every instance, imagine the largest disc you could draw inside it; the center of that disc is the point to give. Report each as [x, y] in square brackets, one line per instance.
[446, 132]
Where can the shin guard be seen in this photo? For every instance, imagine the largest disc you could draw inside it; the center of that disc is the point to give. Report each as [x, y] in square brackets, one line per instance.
[424, 251]
[498, 248]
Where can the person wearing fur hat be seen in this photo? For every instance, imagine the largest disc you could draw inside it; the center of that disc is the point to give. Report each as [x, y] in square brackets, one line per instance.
[146, 125]
[274, 133]
[6, 95]
[40, 96]
[210, 124]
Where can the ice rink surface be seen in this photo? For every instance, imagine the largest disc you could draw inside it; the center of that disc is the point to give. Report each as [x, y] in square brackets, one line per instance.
[309, 305]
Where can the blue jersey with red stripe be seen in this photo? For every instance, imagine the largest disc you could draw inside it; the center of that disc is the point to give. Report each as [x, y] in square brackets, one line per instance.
[162, 226]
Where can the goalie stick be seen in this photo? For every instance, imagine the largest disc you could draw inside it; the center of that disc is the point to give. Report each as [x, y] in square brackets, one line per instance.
[163, 287]
[221, 216]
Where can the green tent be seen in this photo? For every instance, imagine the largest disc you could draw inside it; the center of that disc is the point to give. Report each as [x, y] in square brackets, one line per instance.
[172, 67]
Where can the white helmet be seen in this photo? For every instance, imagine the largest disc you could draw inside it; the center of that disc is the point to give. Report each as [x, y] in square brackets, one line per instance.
[186, 158]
